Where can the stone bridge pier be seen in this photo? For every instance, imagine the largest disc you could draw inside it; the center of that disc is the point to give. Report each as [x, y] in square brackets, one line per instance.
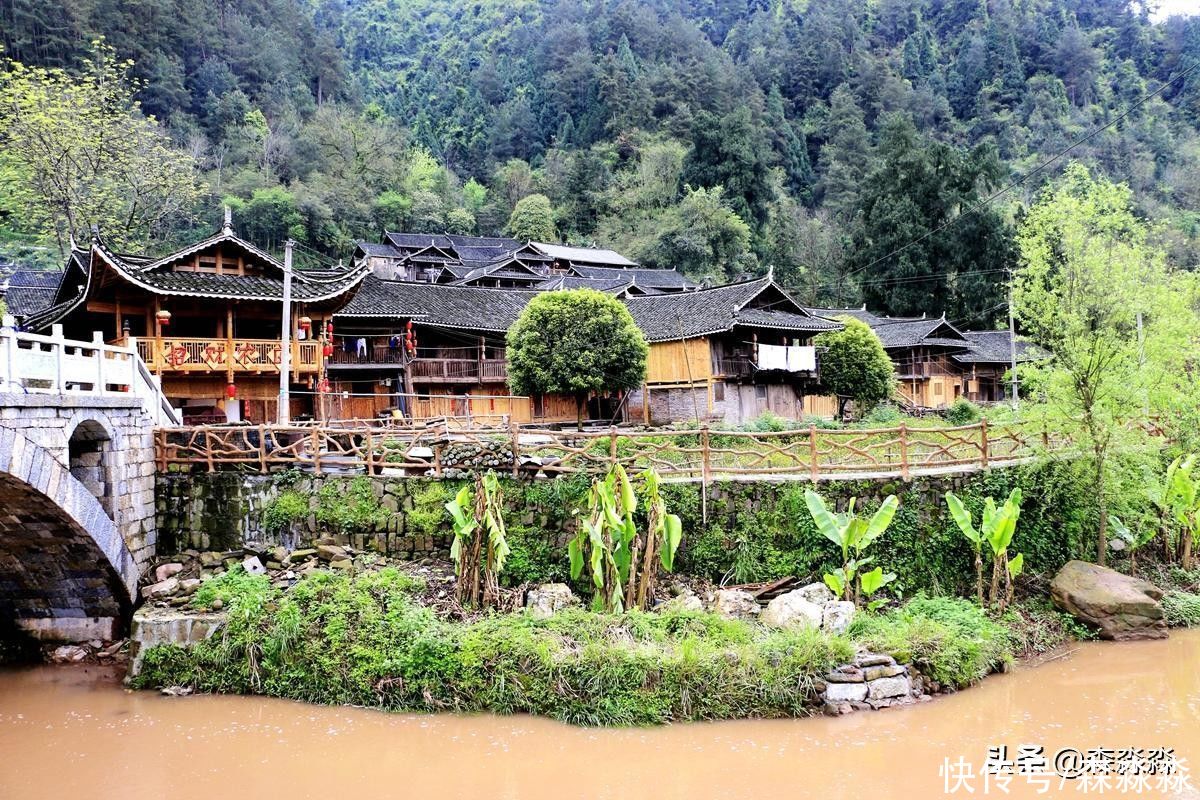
[76, 512]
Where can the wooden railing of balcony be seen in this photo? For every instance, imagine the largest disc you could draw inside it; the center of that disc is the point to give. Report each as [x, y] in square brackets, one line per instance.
[193, 355]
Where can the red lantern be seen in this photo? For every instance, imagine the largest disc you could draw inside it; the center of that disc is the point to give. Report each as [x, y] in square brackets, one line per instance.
[231, 391]
[305, 324]
[329, 329]
[163, 317]
[323, 386]
[327, 350]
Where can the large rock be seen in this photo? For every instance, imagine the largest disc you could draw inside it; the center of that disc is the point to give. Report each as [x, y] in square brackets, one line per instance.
[846, 692]
[548, 598]
[736, 603]
[792, 609]
[883, 688]
[161, 589]
[1121, 606]
[837, 615]
[817, 593]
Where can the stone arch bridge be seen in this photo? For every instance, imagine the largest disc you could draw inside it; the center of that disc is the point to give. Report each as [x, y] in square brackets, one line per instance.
[76, 487]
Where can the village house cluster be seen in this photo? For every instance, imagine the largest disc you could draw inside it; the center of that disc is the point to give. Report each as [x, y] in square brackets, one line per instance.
[414, 327]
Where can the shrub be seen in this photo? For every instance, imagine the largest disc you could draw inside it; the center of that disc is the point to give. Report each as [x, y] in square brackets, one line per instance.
[963, 412]
[350, 506]
[950, 640]
[288, 508]
[882, 415]
[1182, 609]
[236, 586]
[768, 422]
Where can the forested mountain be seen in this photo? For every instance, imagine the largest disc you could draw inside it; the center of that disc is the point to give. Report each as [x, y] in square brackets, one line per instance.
[816, 137]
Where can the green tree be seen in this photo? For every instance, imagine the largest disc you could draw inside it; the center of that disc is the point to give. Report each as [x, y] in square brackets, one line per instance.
[1087, 271]
[84, 154]
[703, 236]
[532, 220]
[575, 342]
[854, 366]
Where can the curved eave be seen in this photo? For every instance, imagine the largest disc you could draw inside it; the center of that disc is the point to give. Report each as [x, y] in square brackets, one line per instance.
[121, 269]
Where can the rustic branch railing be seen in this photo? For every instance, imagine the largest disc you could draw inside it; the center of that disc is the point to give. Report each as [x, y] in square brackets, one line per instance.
[443, 449]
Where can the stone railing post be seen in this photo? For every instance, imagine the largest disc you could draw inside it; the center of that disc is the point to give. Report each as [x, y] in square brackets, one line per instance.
[98, 340]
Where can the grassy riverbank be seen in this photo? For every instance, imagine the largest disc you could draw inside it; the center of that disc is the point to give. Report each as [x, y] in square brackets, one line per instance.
[367, 640]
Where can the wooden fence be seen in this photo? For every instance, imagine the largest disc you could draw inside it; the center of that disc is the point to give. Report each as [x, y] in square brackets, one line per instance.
[443, 450]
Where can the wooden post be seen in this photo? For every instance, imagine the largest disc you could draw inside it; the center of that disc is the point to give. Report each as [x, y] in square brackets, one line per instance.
[515, 437]
[262, 449]
[705, 468]
[370, 442]
[437, 460]
[812, 453]
[208, 450]
[983, 442]
[612, 446]
[160, 449]
[316, 450]
[904, 473]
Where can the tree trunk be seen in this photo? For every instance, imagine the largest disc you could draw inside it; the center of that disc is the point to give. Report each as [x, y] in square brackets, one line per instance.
[979, 575]
[580, 399]
[1186, 561]
[1102, 502]
[996, 566]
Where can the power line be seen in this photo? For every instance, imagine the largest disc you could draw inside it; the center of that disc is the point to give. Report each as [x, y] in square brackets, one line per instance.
[1014, 184]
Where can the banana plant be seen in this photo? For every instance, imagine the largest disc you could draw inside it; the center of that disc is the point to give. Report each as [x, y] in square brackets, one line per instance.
[621, 562]
[1182, 495]
[996, 529]
[1134, 538]
[872, 582]
[478, 559]
[852, 534]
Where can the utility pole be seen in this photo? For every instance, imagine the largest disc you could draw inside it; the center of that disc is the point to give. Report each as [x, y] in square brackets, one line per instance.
[1012, 343]
[285, 355]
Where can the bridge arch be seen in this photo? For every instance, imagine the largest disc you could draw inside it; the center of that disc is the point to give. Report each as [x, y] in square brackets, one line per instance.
[66, 573]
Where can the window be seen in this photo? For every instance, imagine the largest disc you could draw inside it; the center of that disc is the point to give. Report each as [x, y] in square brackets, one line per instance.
[760, 392]
[719, 392]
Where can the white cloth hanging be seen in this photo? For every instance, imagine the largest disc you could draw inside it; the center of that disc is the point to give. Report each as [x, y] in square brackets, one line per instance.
[772, 356]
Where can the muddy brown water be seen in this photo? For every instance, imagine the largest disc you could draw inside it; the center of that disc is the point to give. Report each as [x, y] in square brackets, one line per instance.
[68, 732]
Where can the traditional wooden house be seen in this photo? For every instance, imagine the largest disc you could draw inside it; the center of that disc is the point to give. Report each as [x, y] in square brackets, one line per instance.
[728, 353]
[431, 350]
[206, 319]
[27, 291]
[986, 363]
[498, 262]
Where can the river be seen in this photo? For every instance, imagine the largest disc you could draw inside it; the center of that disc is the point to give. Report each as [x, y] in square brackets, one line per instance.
[68, 732]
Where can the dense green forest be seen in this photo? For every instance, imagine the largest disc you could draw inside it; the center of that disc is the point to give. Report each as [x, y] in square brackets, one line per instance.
[814, 137]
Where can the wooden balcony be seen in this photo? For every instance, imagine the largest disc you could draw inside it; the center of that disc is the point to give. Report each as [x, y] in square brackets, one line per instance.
[253, 356]
[431, 365]
[733, 368]
[458, 370]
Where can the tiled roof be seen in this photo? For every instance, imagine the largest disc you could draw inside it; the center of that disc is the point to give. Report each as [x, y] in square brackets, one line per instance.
[28, 291]
[992, 347]
[860, 314]
[573, 282]
[377, 250]
[506, 267]
[683, 315]
[649, 278]
[918, 332]
[584, 255]
[465, 307]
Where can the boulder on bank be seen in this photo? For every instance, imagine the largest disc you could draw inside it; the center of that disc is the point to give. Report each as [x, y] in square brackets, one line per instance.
[736, 604]
[543, 601]
[792, 609]
[1121, 606]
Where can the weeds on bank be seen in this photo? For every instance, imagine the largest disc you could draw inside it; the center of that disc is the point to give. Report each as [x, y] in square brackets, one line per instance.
[366, 641]
[950, 640]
